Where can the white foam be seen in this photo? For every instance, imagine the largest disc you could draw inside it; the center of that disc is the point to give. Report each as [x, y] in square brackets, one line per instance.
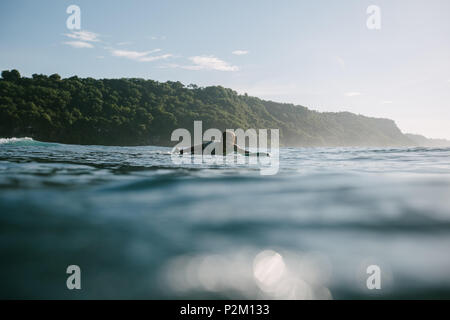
[15, 140]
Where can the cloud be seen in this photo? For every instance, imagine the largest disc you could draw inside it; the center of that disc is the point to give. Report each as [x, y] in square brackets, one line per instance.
[154, 58]
[134, 55]
[240, 52]
[79, 44]
[386, 102]
[353, 94]
[124, 43]
[85, 36]
[141, 56]
[209, 63]
[82, 39]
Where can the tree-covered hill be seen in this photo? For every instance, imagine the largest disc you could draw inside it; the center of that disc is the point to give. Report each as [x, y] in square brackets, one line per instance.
[427, 142]
[140, 112]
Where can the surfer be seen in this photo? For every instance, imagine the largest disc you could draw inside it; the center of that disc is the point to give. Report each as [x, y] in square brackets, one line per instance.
[224, 147]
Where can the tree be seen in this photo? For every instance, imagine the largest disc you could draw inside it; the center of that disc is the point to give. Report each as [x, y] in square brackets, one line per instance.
[55, 76]
[11, 76]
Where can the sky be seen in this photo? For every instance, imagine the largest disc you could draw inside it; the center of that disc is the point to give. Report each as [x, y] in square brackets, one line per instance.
[320, 54]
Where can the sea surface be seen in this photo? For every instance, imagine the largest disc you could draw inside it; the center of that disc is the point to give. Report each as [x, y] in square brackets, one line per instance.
[139, 225]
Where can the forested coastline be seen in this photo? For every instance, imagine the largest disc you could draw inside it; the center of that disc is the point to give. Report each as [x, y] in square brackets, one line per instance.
[145, 112]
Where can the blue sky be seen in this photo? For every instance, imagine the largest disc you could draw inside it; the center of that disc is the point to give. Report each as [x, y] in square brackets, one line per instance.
[319, 54]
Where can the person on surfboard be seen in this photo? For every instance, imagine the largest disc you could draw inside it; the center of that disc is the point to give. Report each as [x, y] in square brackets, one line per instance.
[224, 147]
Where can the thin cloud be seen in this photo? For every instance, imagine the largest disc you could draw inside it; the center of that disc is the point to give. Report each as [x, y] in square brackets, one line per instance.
[141, 56]
[78, 44]
[124, 43]
[209, 63]
[353, 94]
[85, 36]
[134, 55]
[386, 102]
[154, 58]
[82, 39]
[240, 52]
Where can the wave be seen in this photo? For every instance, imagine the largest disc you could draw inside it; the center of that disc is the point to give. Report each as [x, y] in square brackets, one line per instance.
[26, 141]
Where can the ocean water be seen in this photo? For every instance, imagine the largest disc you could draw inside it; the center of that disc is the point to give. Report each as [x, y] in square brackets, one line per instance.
[140, 226]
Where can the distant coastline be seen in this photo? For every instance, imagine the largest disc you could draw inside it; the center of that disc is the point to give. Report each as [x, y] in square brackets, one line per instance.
[145, 112]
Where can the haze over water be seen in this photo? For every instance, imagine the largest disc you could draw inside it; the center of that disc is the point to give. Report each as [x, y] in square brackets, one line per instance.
[140, 226]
